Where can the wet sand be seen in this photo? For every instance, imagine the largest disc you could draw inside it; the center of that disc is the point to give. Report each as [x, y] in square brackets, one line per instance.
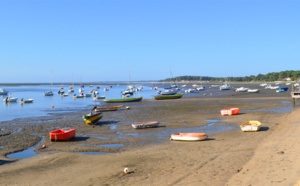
[227, 157]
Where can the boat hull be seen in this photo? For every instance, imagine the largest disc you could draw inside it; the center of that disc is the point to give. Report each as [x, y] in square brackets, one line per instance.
[123, 100]
[92, 118]
[62, 134]
[250, 126]
[189, 136]
[143, 125]
[162, 97]
[230, 111]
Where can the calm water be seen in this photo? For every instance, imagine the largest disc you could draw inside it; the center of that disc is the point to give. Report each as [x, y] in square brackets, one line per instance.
[42, 105]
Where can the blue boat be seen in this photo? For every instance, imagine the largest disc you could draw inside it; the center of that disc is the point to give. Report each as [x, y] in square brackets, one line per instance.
[282, 89]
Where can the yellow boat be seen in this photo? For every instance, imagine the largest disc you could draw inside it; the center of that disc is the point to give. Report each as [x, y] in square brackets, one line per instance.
[250, 126]
[92, 118]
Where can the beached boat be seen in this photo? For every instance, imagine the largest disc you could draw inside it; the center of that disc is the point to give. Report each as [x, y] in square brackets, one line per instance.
[282, 89]
[226, 86]
[250, 126]
[142, 125]
[161, 97]
[62, 134]
[3, 91]
[103, 109]
[189, 136]
[10, 99]
[123, 100]
[241, 89]
[230, 111]
[22, 101]
[92, 118]
[253, 90]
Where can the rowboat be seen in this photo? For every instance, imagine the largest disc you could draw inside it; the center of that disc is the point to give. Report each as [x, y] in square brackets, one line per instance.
[142, 125]
[92, 118]
[253, 90]
[241, 89]
[250, 126]
[98, 97]
[123, 100]
[26, 101]
[230, 111]
[160, 97]
[62, 134]
[189, 136]
[103, 109]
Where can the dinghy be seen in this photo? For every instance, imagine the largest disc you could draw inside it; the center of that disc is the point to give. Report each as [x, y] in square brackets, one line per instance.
[92, 118]
[230, 111]
[62, 134]
[189, 136]
[250, 126]
[142, 125]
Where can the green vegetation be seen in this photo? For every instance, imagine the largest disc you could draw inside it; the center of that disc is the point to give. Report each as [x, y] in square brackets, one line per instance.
[272, 76]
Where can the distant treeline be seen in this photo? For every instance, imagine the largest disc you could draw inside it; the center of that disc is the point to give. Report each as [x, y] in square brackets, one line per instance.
[272, 76]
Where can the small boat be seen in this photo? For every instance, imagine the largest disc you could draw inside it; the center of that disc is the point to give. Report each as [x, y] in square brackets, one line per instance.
[123, 100]
[230, 111]
[64, 95]
[142, 125]
[250, 126]
[253, 90]
[282, 89]
[92, 118]
[189, 136]
[103, 109]
[161, 97]
[98, 97]
[62, 134]
[241, 89]
[48, 93]
[226, 86]
[87, 95]
[10, 99]
[78, 96]
[22, 101]
[3, 91]
[169, 92]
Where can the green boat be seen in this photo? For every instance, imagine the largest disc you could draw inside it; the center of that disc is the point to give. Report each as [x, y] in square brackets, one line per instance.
[123, 100]
[161, 97]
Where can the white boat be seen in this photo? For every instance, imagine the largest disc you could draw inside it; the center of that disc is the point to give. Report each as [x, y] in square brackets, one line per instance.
[189, 136]
[3, 91]
[26, 101]
[106, 89]
[10, 99]
[169, 92]
[183, 86]
[225, 87]
[250, 126]
[191, 90]
[200, 88]
[87, 95]
[263, 84]
[241, 89]
[48, 93]
[78, 96]
[81, 90]
[98, 97]
[71, 89]
[253, 90]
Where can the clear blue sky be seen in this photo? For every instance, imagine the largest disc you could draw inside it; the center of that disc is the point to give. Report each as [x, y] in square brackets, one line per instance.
[101, 40]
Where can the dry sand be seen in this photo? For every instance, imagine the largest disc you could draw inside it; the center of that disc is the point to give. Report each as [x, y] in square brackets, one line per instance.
[232, 157]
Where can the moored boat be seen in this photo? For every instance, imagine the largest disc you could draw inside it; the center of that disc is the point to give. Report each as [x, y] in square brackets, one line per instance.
[3, 91]
[282, 89]
[253, 90]
[10, 99]
[250, 126]
[189, 136]
[142, 125]
[123, 100]
[62, 134]
[162, 97]
[98, 97]
[92, 118]
[241, 89]
[103, 109]
[26, 101]
[230, 111]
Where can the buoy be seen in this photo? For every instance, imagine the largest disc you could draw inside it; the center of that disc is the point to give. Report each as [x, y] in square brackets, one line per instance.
[44, 146]
[127, 107]
[52, 106]
[126, 170]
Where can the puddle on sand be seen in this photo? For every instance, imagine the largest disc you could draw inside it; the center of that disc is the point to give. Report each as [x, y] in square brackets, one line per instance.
[25, 153]
[113, 127]
[1, 147]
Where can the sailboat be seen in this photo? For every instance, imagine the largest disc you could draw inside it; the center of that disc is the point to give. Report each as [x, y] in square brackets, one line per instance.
[226, 86]
[172, 90]
[71, 88]
[50, 93]
[130, 88]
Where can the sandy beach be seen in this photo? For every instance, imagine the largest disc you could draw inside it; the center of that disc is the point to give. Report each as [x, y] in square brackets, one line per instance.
[228, 157]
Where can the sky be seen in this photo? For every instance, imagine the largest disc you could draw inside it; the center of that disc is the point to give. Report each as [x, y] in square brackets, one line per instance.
[136, 40]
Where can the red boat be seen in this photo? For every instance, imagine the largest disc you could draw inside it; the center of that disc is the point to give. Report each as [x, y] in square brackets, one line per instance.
[62, 134]
[230, 111]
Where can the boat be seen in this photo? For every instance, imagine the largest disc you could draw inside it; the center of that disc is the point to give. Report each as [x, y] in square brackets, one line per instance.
[3, 91]
[142, 125]
[98, 97]
[78, 96]
[161, 97]
[253, 90]
[123, 100]
[250, 126]
[62, 134]
[169, 92]
[230, 111]
[50, 93]
[92, 118]
[282, 89]
[241, 89]
[87, 95]
[226, 86]
[22, 101]
[111, 108]
[10, 99]
[189, 136]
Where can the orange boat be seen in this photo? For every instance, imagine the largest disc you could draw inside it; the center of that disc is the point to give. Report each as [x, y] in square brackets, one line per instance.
[62, 134]
[230, 111]
[189, 136]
